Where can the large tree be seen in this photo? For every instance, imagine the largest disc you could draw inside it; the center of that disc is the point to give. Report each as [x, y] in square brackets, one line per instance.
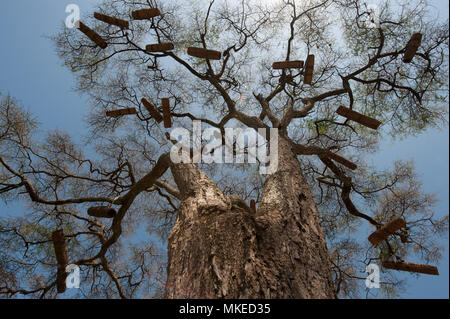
[307, 237]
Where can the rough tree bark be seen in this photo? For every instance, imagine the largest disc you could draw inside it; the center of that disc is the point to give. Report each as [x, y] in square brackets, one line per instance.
[220, 249]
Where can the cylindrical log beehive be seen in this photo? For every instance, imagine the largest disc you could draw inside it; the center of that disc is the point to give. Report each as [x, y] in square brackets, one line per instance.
[342, 160]
[59, 244]
[91, 34]
[309, 69]
[411, 47]
[358, 117]
[152, 110]
[144, 14]
[389, 228]
[61, 277]
[411, 267]
[102, 212]
[288, 65]
[161, 47]
[112, 20]
[166, 113]
[253, 206]
[117, 113]
[204, 53]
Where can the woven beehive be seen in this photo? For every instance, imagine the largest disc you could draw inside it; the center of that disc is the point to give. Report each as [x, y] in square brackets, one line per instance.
[91, 34]
[112, 20]
[101, 212]
[161, 47]
[144, 14]
[288, 65]
[309, 69]
[411, 267]
[389, 228]
[166, 113]
[358, 117]
[204, 53]
[117, 113]
[342, 160]
[411, 47]
[152, 110]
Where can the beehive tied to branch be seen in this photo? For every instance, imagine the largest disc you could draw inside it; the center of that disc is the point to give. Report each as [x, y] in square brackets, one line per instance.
[117, 113]
[60, 247]
[309, 69]
[411, 47]
[160, 47]
[166, 113]
[411, 267]
[288, 65]
[358, 117]
[204, 53]
[389, 228]
[253, 206]
[61, 276]
[91, 34]
[341, 160]
[112, 20]
[152, 110]
[101, 212]
[145, 14]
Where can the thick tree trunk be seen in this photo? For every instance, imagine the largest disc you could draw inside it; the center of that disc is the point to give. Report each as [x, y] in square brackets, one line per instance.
[220, 249]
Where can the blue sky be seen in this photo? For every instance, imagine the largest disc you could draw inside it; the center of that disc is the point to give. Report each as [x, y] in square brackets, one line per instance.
[32, 73]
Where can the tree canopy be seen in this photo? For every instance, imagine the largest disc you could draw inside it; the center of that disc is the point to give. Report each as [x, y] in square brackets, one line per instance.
[357, 65]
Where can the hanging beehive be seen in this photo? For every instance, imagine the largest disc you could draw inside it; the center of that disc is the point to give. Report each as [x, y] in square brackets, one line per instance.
[59, 244]
[389, 228]
[112, 20]
[61, 276]
[117, 113]
[411, 267]
[342, 160]
[91, 34]
[161, 47]
[152, 110]
[253, 206]
[166, 113]
[144, 14]
[204, 53]
[411, 47]
[358, 117]
[102, 212]
[288, 65]
[309, 69]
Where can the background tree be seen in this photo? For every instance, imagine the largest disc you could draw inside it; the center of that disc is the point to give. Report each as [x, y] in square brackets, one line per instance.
[217, 247]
